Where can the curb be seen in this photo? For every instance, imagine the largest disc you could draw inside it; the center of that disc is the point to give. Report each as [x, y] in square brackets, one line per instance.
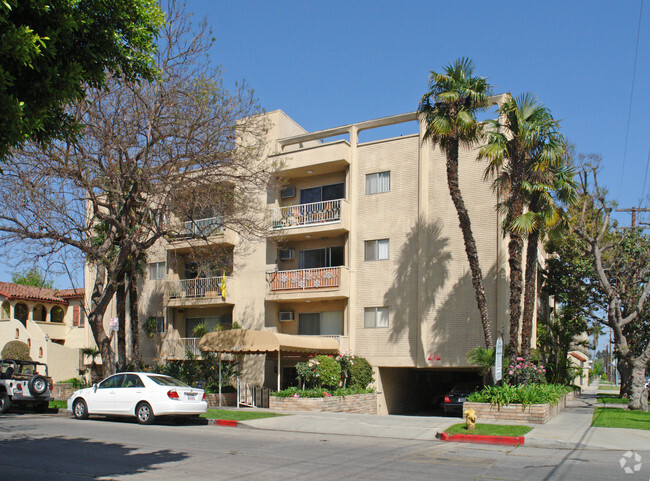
[483, 439]
[223, 422]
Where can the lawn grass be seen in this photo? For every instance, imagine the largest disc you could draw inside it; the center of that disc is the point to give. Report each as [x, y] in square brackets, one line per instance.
[609, 388]
[490, 429]
[606, 398]
[232, 415]
[620, 418]
[59, 404]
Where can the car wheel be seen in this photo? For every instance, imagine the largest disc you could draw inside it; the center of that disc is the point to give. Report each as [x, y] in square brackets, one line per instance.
[41, 407]
[5, 402]
[80, 409]
[37, 385]
[144, 413]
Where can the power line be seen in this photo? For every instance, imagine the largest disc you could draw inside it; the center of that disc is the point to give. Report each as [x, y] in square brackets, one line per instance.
[629, 111]
[645, 178]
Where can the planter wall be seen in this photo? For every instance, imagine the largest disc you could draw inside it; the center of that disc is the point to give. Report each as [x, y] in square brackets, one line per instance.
[534, 413]
[354, 403]
[227, 399]
[62, 390]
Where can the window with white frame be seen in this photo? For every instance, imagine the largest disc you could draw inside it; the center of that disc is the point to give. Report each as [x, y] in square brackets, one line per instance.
[156, 271]
[376, 250]
[378, 182]
[375, 317]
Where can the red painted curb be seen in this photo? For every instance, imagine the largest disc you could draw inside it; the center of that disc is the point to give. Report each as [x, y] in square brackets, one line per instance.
[483, 439]
[226, 422]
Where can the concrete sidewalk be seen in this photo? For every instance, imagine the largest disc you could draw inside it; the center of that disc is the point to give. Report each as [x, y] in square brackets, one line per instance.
[571, 429]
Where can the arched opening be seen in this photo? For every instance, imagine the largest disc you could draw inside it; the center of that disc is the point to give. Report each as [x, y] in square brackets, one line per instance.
[40, 313]
[21, 312]
[57, 314]
[6, 310]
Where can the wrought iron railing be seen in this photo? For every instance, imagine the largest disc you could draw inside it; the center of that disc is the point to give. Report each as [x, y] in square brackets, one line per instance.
[198, 287]
[306, 214]
[201, 227]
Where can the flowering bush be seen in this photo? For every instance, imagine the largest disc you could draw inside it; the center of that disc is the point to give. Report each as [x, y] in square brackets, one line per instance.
[522, 374]
[319, 392]
[319, 371]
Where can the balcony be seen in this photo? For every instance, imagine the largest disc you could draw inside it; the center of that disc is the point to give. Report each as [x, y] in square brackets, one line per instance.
[320, 159]
[178, 348]
[327, 217]
[200, 291]
[189, 233]
[304, 284]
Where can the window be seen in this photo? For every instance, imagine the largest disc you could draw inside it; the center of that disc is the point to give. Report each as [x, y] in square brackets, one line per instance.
[322, 193]
[375, 317]
[82, 317]
[378, 182]
[327, 257]
[157, 271]
[376, 250]
[57, 314]
[132, 380]
[321, 323]
[160, 325]
[112, 382]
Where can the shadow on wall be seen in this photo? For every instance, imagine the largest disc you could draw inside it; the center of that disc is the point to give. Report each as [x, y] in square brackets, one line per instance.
[457, 325]
[74, 457]
[403, 296]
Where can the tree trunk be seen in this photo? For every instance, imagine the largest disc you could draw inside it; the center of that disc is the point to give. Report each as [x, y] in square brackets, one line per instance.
[120, 296]
[632, 369]
[99, 300]
[530, 294]
[133, 314]
[468, 239]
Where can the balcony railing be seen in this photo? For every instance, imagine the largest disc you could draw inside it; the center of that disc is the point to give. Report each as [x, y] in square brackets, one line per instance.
[201, 227]
[179, 347]
[196, 288]
[306, 214]
[322, 277]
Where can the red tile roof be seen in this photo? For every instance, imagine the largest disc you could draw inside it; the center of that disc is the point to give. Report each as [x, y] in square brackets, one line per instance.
[18, 291]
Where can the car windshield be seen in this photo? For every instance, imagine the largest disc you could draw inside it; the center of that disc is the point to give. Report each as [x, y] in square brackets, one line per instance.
[167, 381]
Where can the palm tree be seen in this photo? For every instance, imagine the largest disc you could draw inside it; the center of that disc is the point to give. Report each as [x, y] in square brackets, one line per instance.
[92, 352]
[597, 330]
[524, 140]
[544, 214]
[449, 110]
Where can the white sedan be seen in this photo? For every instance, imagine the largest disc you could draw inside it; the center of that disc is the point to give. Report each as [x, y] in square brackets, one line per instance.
[141, 394]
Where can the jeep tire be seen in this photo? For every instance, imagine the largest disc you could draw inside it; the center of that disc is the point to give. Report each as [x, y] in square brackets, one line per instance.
[37, 385]
[5, 402]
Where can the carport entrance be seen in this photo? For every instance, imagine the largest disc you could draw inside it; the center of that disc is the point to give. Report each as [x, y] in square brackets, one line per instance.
[420, 391]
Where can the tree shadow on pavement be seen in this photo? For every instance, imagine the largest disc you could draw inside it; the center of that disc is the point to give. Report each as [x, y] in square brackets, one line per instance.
[57, 457]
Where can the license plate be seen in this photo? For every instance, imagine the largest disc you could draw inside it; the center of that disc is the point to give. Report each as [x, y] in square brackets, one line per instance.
[461, 399]
[190, 395]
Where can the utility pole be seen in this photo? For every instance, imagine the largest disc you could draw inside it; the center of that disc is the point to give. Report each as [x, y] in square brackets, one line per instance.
[634, 211]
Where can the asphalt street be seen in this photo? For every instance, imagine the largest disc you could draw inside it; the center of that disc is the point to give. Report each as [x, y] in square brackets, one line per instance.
[45, 447]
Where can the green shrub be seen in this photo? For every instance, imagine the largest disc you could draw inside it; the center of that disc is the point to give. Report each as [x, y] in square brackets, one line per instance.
[524, 394]
[76, 383]
[360, 373]
[16, 350]
[524, 373]
[328, 372]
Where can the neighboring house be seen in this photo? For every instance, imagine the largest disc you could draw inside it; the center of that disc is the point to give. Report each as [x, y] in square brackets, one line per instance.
[363, 246]
[579, 359]
[50, 321]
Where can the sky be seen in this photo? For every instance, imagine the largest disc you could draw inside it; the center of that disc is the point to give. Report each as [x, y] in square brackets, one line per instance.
[327, 64]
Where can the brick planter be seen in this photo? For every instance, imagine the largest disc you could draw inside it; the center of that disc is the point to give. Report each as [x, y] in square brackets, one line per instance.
[354, 403]
[227, 399]
[534, 413]
[62, 390]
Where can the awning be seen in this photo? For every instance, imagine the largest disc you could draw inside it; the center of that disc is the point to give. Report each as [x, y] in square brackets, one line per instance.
[245, 341]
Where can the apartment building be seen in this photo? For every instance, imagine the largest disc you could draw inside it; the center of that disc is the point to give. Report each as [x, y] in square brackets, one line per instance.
[363, 246]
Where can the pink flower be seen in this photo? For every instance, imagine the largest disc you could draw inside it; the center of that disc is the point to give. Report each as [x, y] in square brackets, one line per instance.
[511, 373]
[543, 370]
[520, 359]
[296, 395]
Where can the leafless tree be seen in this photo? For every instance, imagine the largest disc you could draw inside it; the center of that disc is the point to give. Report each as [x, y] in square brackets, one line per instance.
[147, 156]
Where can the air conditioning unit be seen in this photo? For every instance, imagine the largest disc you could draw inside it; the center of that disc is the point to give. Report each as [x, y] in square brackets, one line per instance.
[288, 193]
[286, 316]
[286, 254]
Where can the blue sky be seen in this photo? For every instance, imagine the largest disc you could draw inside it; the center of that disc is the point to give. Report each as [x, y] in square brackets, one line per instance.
[333, 63]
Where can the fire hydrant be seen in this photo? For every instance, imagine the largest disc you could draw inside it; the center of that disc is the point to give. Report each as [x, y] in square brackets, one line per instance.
[470, 419]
